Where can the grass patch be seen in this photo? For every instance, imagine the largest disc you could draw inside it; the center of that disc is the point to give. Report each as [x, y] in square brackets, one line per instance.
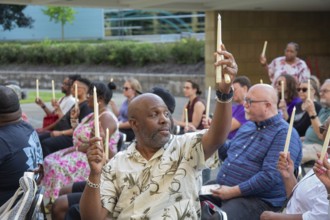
[46, 96]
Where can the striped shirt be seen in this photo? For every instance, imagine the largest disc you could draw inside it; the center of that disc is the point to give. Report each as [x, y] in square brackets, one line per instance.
[250, 159]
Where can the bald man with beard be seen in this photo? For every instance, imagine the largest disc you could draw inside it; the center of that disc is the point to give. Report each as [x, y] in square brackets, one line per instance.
[248, 178]
[159, 175]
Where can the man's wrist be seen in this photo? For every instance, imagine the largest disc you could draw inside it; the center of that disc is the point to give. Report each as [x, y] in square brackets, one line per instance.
[224, 97]
[313, 116]
[43, 106]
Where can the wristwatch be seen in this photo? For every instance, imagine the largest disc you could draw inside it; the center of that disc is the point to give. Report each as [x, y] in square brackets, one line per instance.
[313, 117]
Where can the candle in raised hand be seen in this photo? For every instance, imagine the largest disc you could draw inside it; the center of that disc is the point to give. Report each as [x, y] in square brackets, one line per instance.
[309, 89]
[264, 49]
[37, 88]
[106, 144]
[96, 114]
[53, 90]
[261, 82]
[325, 144]
[288, 136]
[186, 116]
[282, 90]
[219, 42]
[76, 95]
[208, 104]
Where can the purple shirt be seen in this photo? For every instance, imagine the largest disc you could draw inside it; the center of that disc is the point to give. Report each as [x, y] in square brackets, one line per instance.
[239, 115]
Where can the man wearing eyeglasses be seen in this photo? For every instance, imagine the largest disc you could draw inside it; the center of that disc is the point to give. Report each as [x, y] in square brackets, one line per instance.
[313, 138]
[248, 179]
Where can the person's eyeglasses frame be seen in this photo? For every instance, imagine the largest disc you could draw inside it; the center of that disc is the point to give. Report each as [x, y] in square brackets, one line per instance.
[126, 88]
[249, 101]
[324, 91]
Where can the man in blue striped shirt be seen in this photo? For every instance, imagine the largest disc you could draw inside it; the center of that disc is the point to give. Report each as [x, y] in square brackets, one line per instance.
[248, 178]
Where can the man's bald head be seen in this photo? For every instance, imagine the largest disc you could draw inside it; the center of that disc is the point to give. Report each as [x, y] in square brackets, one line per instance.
[139, 103]
[265, 92]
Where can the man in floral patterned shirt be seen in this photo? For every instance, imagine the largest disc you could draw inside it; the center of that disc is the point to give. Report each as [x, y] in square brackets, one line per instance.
[288, 64]
[159, 175]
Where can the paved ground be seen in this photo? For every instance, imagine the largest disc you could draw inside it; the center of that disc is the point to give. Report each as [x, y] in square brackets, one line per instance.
[35, 113]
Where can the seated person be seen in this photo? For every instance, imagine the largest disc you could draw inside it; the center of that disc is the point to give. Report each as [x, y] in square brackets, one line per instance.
[307, 199]
[249, 181]
[70, 195]
[195, 107]
[131, 89]
[160, 173]
[301, 119]
[70, 164]
[19, 145]
[313, 138]
[61, 136]
[62, 106]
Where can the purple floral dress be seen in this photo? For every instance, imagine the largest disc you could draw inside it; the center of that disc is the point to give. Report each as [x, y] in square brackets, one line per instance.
[73, 167]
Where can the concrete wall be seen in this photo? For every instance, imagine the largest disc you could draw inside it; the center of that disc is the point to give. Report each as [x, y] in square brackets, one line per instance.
[244, 33]
[173, 82]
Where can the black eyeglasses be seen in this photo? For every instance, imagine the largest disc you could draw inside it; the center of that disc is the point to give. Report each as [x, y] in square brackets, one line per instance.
[302, 89]
[126, 88]
[250, 101]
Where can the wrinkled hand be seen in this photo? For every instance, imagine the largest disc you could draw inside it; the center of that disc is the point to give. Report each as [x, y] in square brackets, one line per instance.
[322, 171]
[285, 165]
[309, 107]
[95, 155]
[223, 192]
[268, 215]
[229, 67]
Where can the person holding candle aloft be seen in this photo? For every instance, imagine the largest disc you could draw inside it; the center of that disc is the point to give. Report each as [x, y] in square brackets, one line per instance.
[60, 107]
[308, 198]
[290, 99]
[313, 137]
[248, 179]
[61, 135]
[195, 107]
[70, 164]
[159, 174]
[289, 64]
[302, 120]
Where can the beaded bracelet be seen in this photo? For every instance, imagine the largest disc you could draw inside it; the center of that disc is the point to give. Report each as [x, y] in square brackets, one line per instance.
[93, 185]
[223, 97]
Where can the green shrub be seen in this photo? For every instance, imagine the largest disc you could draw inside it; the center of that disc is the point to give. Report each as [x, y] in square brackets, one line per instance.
[117, 53]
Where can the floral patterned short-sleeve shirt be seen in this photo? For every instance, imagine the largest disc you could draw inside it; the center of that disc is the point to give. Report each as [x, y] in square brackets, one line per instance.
[165, 187]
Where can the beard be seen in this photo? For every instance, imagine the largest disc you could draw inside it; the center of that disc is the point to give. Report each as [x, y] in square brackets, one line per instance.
[324, 103]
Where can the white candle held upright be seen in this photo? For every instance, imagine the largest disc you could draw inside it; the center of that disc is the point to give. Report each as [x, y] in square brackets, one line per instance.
[261, 82]
[76, 95]
[282, 90]
[264, 49]
[37, 88]
[186, 116]
[53, 89]
[309, 89]
[208, 104]
[96, 114]
[325, 144]
[219, 42]
[106, 144]
[288, 136]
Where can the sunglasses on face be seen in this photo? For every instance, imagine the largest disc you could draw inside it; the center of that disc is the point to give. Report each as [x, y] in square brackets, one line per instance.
[302, 89]
[126, 88]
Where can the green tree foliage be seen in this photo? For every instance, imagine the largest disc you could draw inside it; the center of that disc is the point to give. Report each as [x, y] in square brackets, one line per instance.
[12, 16]
[60, 15]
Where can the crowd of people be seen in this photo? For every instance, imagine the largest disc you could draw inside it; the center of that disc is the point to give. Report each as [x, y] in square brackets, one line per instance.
[158, 174]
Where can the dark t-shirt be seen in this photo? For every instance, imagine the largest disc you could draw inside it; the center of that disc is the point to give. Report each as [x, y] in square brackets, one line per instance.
[65, 123]
[302, 120]
[20, 151]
